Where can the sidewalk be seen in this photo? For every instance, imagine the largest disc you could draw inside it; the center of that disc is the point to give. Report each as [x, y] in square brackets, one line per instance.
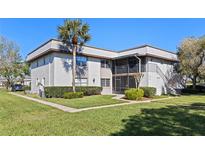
[72, 110]
[58, 106]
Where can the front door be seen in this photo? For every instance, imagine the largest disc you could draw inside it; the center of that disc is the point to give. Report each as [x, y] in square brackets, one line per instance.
[118, 84]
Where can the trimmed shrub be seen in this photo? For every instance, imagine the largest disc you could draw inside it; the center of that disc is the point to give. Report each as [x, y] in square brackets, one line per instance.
[58, 92]
[90, 90]
[25, 88]
[134, 94]
[190, 90]
[149, 91]
[71, 95]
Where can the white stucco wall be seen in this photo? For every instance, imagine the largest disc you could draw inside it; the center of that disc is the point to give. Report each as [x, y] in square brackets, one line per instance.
[107, 74]
[154, 78]
[94, 72]
[62, 69]
[144, 80]
[63, 72]
[41, 69]
[164, 65]
[57, 69]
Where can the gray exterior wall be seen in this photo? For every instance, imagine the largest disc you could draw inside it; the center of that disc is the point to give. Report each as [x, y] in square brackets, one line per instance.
[106, 73]
[42, 69]
[57, 71]
[155, 79]
[55, 68]
[94, 72]
[62, 69]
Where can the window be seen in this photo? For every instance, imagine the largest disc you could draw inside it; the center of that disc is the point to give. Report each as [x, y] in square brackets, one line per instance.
[37, 63]
[81, 68]
[105, 63]
[44, 60]
[81, 61]
[81, 82]
[105, 82]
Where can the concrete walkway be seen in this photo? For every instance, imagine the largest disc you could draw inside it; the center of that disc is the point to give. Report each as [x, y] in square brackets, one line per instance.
[72, 110]
[121, 104]
[58, 106]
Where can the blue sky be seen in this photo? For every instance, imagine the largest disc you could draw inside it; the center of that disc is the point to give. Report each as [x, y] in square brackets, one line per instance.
[114, 34]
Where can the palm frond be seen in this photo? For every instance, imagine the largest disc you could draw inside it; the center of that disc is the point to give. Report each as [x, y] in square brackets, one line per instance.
[74, 32]
[85, 28]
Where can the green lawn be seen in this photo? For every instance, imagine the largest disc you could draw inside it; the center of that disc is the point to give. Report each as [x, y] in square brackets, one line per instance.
[178, 116]
[86, 101]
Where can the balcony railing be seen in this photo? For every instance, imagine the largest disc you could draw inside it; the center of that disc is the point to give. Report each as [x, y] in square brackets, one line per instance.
[125, 69]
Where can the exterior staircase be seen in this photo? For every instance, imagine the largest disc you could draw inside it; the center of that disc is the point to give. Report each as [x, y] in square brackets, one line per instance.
[170, 86]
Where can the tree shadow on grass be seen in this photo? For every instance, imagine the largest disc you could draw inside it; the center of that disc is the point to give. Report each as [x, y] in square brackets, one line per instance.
[172, 120]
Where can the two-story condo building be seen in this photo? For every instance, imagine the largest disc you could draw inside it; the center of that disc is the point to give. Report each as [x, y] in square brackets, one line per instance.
[51, 64]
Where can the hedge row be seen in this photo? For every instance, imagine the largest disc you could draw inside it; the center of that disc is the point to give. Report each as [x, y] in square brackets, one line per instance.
[189, 89]
[58, 92]
[149, 91]
[27, 88]
[71, 95]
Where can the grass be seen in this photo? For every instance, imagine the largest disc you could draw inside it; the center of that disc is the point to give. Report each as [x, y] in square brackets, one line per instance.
[178, 116]
[162, 96]
[86, 101]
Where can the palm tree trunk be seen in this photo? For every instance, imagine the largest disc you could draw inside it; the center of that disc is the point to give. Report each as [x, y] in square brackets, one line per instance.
[74, 67]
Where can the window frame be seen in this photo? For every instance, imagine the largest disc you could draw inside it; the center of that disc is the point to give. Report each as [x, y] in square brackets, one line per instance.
[105, 82]
[105, 63]
[80, 62]
[79, 81]
[44, 60]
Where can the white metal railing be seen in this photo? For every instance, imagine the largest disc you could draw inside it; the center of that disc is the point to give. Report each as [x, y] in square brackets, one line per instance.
[126, 69]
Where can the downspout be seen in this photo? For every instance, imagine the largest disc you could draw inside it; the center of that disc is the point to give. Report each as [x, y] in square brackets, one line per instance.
[139, 63]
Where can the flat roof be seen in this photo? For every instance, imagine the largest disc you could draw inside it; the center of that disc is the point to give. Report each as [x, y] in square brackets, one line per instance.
[143, 50]
[61, 41]
[146, 45]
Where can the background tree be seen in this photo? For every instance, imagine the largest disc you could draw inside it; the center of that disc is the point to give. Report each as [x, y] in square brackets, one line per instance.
[191, 54]
[138, 77]
[9, 60]
[24, 70]
[74, 34]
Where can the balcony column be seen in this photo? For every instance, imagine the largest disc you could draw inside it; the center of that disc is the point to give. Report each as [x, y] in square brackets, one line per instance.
[115, 74]
[128, 71]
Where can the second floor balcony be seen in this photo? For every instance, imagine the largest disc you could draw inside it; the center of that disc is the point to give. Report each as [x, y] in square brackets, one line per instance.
[127, 69]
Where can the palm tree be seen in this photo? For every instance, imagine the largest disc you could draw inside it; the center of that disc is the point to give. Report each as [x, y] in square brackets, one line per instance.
[74, 34]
